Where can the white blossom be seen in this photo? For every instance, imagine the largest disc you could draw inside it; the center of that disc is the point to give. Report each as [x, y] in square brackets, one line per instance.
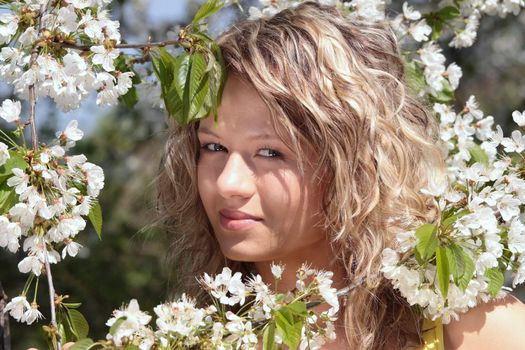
[72, 132]
[71, 248]
[454, 73]
[8, 26]
[409, 13]
[20, 180]
[514, 144]
[32, 264]
[105, 57]
[277, 271]
[519, 117]
[4, 153]
[10, 110]
[68, 19]
[135, 320]
[181, 317]
[10, 233]
[420, 30]
[94, 177]
[468, 35]
[17, 307]
[508, 206]
[32, 314]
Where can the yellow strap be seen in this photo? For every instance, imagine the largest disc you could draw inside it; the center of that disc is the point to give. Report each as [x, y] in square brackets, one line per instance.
[433, 335]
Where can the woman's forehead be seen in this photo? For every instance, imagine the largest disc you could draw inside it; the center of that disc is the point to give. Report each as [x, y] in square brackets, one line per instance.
[241, 109]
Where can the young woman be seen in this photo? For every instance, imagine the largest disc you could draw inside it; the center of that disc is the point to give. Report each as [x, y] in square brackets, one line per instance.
[317, 156]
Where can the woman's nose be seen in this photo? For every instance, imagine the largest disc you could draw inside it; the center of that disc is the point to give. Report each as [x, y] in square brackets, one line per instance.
[236, 178]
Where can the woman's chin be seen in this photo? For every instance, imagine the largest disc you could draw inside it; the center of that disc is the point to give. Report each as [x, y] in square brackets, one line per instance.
[246, 255]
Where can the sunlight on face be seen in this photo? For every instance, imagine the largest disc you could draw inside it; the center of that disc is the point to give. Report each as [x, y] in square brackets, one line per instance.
[259, 205]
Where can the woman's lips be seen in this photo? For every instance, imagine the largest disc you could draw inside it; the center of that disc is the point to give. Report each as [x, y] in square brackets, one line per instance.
[234, 220]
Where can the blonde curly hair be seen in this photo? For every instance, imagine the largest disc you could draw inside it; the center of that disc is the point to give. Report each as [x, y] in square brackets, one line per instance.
[337, 86]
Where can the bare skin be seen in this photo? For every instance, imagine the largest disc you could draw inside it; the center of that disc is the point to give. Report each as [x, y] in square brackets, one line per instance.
[497, 324]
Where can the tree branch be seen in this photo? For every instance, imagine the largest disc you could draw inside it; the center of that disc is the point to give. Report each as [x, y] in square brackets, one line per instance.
[123, 46]
[51, 295]
[32, 93]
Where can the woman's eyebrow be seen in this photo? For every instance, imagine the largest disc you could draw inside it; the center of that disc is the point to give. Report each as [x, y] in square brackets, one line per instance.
[254, 136]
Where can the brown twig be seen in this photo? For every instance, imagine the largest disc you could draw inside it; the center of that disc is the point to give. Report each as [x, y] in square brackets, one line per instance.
[32, 93]
[124, 46]
[51, 296]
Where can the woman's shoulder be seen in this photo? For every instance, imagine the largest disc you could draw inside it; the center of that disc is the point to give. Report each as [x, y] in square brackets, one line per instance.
[496, 324]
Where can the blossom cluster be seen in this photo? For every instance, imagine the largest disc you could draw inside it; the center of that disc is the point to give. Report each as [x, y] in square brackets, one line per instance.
[73, 49]
[371, 10]
[482, 198]
[471, 13]
[181, 324]
[47, 194]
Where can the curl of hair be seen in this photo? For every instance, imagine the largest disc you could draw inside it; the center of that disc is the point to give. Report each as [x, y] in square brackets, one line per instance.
[337, 86]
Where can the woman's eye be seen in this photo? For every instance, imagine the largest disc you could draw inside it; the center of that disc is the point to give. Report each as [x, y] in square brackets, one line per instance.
[270, 153]
[213, 147]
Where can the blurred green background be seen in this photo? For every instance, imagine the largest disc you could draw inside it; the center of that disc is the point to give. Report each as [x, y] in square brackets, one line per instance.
[130, 261]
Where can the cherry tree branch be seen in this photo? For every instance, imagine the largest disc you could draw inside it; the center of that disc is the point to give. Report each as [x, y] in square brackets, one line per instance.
[32, 92]
[51, 296]
[124, 46]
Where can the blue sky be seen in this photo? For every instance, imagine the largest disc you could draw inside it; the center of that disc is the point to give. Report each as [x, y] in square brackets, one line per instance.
[167, 10]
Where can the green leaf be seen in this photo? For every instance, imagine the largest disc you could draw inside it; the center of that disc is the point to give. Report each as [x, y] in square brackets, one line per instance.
[437, 29]
[191, 83]
[298, 308]
[160, 70]
[15, 161]
[82, 344]
[414, 76]
[455, 260]
[427, 241]
[478, 154]
[72, 305]
[95, 216]
[450, 220]
[78, 323]
[199, 88]
[468, 272]
[131, 97]
[269, 336]
[185, 82]
[176, 97]
[289, 326]
[64, 326]
[8, 197]
[448, 13]
[446, 95]
[206, 10]
[442, 270]
[495, 280]
[114, 327]
[165, 66]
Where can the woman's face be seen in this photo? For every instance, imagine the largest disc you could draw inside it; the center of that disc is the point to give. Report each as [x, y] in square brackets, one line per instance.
[259, 205]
